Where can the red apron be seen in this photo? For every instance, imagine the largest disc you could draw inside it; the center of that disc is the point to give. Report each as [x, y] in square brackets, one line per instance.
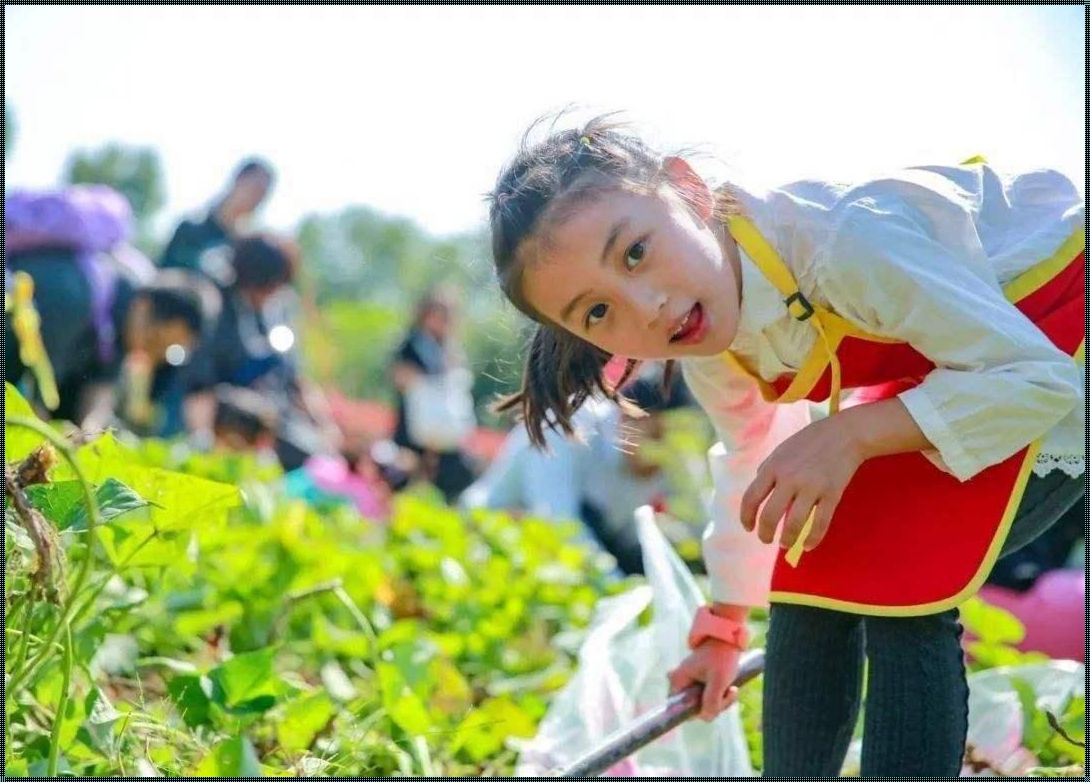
[907, 539]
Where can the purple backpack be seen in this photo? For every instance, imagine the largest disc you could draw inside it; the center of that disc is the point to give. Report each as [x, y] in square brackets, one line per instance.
[91, 220]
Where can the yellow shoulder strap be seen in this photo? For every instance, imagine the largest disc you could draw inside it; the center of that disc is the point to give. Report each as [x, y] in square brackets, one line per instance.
[777, 272]
[767, 259]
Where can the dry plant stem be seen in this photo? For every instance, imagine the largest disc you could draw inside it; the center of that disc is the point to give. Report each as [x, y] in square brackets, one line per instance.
[49, 571]
[1055, 724]
[34, 469]
[18, 677]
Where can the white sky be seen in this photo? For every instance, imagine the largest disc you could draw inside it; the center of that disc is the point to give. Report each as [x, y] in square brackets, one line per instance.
[413, 109]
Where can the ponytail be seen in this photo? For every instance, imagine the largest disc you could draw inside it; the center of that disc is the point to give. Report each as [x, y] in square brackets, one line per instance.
[561, 372]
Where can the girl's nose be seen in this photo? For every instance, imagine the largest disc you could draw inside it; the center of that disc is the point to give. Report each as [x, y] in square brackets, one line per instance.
[650, 303]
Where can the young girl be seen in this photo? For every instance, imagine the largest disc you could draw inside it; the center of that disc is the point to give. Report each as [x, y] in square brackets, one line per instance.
[949, 298]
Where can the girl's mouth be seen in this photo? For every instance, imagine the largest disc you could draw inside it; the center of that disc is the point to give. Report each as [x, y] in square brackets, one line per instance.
[692, 329]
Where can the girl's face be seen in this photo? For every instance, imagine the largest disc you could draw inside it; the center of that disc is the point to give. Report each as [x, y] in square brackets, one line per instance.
[639, 275]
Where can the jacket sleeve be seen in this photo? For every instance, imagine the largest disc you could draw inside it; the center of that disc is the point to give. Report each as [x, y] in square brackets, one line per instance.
[906, 262]
[739, 565]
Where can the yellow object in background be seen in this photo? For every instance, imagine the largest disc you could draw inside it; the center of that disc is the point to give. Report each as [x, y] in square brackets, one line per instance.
[26, 322]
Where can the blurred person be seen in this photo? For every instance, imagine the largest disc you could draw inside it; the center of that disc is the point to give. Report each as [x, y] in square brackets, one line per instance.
[360, 476]
[244, 422]
[434, 405]
[598, 477]
[164, 326]
[246, 350]
[204, 244]
[101, 305]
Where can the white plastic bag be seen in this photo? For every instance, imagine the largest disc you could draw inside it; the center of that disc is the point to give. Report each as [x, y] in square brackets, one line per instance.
[439, 410]
[996, 714]
[622, 674]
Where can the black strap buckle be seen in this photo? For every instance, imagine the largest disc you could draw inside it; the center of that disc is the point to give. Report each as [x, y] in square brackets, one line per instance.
[807, 308]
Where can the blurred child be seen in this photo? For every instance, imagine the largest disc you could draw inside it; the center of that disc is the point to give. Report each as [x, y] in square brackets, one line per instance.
[245, 422]
[598, 477]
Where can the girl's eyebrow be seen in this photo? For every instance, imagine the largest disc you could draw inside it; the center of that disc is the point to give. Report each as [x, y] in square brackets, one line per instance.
[571, 305]
[615, 232]
[618, 228]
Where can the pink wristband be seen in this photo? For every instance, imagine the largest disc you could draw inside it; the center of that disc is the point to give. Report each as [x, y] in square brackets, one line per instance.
[708, 625]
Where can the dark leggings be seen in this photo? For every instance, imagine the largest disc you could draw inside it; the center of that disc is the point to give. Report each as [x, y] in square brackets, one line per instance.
[916, 718]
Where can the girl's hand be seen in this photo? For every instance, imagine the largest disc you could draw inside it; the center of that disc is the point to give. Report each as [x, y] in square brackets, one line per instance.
[810, 470]
[714, 663]
[806, 472]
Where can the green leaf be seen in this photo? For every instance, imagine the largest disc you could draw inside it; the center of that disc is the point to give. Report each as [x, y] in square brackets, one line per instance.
[1035, 727]
[246, 679]
[114, 499]
[146, 549]
[101, 718]
[56, 501]
[303, 719]
[198, 623]
[1061, 771]
[405, 708]
[18, 442]
[233, 758]
[180, 500]
[485, 730]
[63, 503]
[991, 624]
[191, 697]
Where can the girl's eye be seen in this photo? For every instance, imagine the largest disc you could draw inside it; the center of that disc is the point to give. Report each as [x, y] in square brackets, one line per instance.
[596, 314]
[634, 255]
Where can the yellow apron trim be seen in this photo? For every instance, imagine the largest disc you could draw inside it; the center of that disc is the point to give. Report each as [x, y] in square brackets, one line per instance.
[1033, 278]
[937, 606]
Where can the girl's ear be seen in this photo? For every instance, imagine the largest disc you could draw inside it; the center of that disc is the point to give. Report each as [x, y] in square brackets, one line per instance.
[690, 186]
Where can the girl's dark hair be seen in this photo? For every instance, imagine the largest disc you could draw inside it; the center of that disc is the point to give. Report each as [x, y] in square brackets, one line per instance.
[544, 183]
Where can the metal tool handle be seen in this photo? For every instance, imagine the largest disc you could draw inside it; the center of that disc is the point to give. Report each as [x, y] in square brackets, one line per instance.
[679, 708]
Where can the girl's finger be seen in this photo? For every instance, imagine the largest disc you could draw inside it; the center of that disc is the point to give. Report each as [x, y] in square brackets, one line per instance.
[753, 497]
[771, 514]
[681, 677]
[714, 691]
[731, 699]
[797, 514]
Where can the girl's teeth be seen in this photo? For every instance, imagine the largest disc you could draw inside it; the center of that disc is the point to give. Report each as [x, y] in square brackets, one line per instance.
[684, 324]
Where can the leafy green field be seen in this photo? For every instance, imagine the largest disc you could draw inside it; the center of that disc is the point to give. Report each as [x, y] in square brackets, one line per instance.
[194, 621]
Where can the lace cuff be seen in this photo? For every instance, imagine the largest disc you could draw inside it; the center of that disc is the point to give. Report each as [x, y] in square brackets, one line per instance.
[1072, 464]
